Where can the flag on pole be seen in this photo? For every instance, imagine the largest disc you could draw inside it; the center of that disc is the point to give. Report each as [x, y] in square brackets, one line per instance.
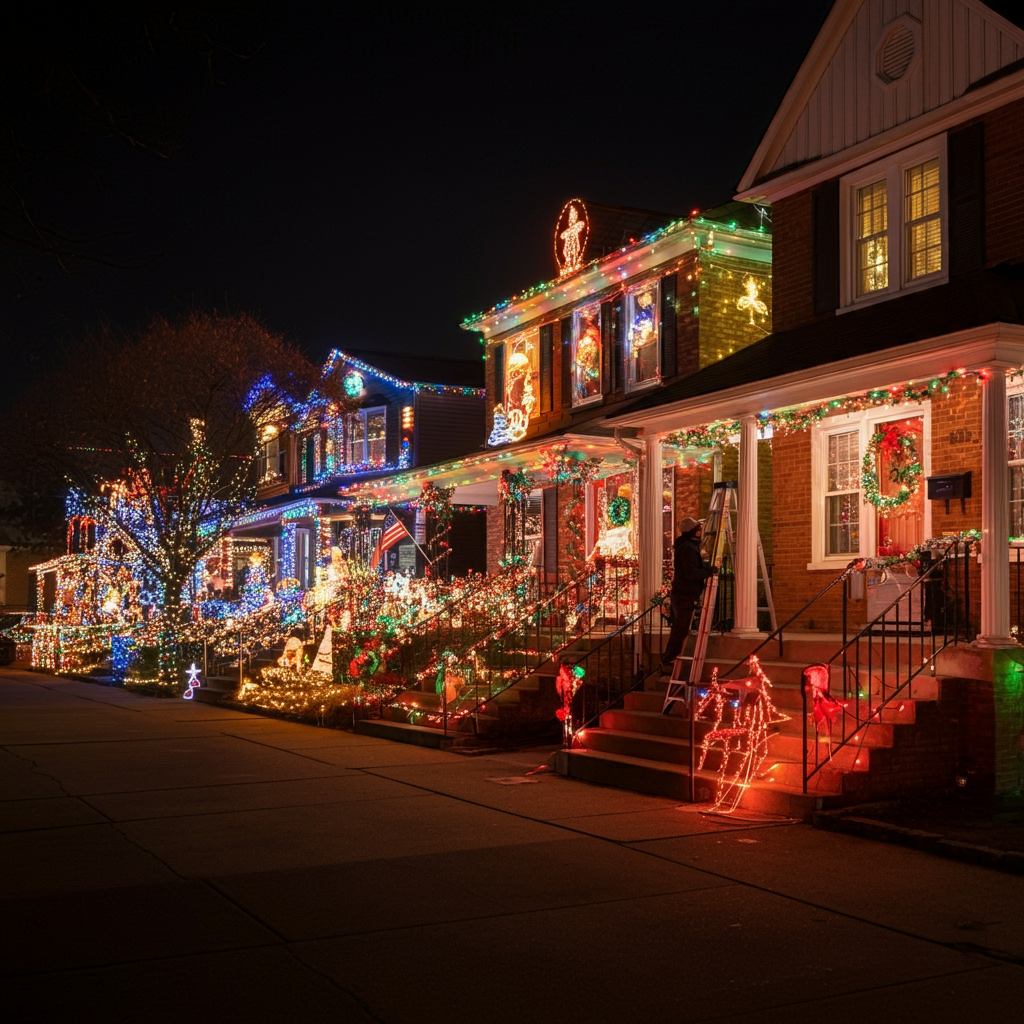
[391, 533]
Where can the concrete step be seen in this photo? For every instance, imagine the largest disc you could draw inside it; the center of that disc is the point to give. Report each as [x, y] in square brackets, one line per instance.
[660, 779]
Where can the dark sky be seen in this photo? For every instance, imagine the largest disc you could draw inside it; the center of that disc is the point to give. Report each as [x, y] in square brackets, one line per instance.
[372, 176]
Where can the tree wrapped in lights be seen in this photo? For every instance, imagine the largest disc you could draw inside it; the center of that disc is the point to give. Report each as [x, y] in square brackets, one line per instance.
[159, 436]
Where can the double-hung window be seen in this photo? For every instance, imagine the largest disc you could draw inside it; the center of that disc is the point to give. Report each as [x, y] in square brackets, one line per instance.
[365, 442]
[586, 354]
[272, 463]
[842, 494]
[895, 225]
[642, 335]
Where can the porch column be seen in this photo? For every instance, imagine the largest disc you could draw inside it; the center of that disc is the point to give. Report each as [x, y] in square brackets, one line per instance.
[745, 621]
[995, 515]
[649, 512]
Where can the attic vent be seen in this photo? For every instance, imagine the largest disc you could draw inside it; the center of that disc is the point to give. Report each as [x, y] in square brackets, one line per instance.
[895, 54]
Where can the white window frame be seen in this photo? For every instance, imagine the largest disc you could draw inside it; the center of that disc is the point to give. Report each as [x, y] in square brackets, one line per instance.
[632, 290]
[866, 423]
[893, 169]
[364, 415]
[273, 465]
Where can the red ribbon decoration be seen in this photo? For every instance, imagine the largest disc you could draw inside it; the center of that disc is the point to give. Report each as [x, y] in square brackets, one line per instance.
[815, 680]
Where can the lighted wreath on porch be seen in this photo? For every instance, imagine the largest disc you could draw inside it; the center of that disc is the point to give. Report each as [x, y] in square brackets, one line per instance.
[900, 447]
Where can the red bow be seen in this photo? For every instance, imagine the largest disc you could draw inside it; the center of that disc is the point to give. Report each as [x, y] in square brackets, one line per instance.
[815, 683]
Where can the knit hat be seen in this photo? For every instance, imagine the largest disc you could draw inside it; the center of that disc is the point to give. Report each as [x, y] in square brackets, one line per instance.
[688, 525]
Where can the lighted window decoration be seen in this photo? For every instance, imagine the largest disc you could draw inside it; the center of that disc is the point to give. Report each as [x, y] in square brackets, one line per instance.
[586, 354]
[273, 460]
[571, 234]
[353, 384]
[522, 380]
[365, 438]
[1015, 447]
[642, 334]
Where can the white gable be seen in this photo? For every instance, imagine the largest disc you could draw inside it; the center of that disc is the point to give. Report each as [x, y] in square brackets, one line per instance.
[840, 97]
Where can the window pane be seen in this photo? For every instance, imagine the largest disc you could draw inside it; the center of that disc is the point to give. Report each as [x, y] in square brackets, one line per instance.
[872, 240]
[1017, 501]
[1015, 440]
[842, 517]
[642, 333]
[844, 461]
[923, 220]
[376, 452]
[355, 435]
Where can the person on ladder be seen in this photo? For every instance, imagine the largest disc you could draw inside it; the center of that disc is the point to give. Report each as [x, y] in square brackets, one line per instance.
[689, 571]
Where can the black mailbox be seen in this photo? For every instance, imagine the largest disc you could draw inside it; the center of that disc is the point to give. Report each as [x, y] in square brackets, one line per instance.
[952, 485]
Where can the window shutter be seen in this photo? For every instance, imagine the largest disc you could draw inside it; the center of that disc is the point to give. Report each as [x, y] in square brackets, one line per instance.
[566, 329]
[825, 228]
[607, 330]
[309, 459]
[550, 539]
[618, 333]
[499, 374]
[547, 383]
[669, 348]
[967, 199]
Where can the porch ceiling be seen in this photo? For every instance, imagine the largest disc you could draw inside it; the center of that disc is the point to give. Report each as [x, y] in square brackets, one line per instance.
[995, 346]
[475, 477]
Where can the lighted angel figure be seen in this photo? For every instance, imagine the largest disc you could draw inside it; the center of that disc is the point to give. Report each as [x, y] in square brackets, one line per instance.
[750, 301]
[572, 248]
[642, 331]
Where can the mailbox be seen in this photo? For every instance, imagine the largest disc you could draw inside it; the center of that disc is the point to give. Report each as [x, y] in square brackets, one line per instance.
[951, 485]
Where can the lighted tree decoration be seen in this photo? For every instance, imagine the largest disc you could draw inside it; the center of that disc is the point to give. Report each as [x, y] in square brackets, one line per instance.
[499, 431]
[437, 503]
[169, 423]
[254, 590]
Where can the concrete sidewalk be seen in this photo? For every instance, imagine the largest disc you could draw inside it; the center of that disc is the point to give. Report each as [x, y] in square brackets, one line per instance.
[168, 861]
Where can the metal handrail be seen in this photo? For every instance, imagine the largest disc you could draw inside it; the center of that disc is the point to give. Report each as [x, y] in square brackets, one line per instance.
[856, 722]
[777, 632]
[640, 627]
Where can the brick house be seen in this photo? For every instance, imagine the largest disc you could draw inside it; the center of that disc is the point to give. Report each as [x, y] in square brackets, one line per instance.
[642, 301]
[889, 394]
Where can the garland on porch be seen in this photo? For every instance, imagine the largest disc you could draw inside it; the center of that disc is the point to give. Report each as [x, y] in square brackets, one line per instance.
[900, 448]
[515, 486]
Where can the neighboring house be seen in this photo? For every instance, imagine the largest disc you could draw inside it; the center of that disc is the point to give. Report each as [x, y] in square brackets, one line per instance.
[394, 423]
[641, 302]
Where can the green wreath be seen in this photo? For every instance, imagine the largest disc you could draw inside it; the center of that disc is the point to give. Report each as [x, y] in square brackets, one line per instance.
[906, 468]
[619, 511]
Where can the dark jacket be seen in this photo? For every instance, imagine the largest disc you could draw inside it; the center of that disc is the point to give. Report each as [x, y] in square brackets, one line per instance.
[689, 569]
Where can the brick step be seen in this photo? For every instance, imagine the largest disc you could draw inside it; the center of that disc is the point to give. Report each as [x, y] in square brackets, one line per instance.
[786, 751]
[653, 723]
[787, 699]
[660, 779]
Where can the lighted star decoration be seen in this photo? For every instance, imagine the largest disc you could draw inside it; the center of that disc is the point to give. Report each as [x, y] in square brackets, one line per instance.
[193, 681]
[750, 301]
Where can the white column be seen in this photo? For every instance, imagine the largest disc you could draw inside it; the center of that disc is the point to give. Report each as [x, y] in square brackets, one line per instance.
[649, 522]
[745, 623]
[995, 515]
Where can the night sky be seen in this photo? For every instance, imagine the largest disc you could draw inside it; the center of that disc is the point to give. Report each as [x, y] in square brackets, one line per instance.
[368, 178]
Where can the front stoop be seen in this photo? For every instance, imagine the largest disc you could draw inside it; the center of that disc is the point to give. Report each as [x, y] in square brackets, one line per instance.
[638, 748]
[403, 732]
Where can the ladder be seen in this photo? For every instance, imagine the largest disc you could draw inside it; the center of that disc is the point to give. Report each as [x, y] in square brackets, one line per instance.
[717, 538]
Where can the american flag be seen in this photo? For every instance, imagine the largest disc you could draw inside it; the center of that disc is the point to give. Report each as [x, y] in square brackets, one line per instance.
[391, 533]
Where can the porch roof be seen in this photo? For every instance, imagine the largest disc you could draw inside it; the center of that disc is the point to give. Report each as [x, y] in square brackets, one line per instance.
[973, 321]
[475, 477]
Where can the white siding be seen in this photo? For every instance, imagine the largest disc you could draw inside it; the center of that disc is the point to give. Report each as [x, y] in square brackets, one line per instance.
[958, 47]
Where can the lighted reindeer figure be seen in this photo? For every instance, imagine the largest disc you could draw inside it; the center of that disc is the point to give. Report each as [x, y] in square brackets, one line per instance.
[741, 713]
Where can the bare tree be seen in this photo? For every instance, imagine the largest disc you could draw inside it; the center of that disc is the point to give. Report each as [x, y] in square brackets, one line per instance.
[158, 435]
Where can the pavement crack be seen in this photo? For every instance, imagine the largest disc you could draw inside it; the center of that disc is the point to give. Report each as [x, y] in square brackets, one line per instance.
[334, 983]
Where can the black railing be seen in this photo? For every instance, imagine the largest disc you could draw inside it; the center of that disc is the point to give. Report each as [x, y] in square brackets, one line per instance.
[1017, 590]
[619, 664]
[878, 666]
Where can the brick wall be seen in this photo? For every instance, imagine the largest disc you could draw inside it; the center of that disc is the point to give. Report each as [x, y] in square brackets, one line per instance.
[792, 262]
[495, 536]
[725, 326]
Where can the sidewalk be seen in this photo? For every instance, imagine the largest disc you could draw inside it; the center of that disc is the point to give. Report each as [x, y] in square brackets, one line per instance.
[168, 861]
